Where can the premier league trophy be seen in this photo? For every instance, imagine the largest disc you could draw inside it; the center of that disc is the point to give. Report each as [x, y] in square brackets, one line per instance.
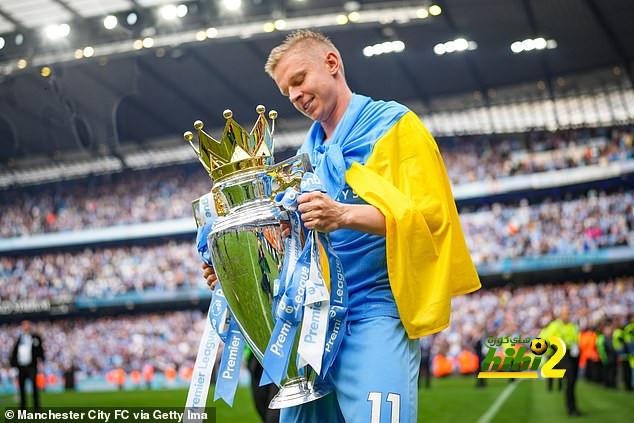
[245, 243]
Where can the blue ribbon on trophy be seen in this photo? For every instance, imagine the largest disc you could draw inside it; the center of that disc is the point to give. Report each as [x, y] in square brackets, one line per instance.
[304, 297]
[210, 341]
[316, 298]
[337, 306]
[338, 309]
[315, 321]
[288, 315]
[230, 363]
[205, 361]
[293, 251]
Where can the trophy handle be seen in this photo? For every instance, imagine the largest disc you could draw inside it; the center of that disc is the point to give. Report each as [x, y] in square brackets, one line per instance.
[289, 173]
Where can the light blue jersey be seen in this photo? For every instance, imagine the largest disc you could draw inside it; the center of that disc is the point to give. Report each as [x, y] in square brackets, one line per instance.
[375, 374]
[365, 268]
[362, 255]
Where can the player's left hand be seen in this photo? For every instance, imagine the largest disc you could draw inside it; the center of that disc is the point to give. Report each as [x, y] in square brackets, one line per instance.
[210, 275]
[320, 212]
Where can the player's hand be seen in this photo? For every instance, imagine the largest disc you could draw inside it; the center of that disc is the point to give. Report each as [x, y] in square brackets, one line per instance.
[320, 212]
[210, 275]
[285, 227]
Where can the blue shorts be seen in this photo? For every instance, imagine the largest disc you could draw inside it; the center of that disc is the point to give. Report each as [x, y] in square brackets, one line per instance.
[374, 378]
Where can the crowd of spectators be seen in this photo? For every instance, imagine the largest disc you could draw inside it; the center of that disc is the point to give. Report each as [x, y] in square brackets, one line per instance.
[100, 273]
[170, 340]
[493, 233]
[94, 346]
[489, 157]
[589, 223]
[166, 193]
[100, 201]
[527, 310]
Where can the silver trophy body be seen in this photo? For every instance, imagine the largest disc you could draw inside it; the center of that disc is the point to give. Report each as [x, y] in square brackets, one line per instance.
[247, 251]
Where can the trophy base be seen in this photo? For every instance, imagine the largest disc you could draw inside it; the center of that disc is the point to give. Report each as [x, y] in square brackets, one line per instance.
[297, 391]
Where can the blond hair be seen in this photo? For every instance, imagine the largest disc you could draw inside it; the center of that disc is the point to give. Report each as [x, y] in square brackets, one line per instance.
[294, 39]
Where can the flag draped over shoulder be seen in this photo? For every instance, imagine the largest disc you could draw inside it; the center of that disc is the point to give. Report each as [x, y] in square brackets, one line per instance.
[427, 257]
[393, 163]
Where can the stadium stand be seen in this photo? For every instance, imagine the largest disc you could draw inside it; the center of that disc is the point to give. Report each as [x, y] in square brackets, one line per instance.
[167, 341]
[165, 193]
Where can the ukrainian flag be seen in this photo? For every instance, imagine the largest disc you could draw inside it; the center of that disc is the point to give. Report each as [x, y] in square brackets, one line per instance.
[393, 163]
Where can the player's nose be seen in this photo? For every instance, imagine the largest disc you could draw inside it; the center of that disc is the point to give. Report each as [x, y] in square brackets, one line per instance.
[294, 95]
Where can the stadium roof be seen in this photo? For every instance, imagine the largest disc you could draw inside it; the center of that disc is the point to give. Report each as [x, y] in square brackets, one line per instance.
[120, 93]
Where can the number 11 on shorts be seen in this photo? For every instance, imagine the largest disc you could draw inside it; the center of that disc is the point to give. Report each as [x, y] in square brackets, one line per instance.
[395, 401]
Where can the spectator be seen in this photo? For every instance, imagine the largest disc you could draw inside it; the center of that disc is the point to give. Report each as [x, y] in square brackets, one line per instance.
[26, 354]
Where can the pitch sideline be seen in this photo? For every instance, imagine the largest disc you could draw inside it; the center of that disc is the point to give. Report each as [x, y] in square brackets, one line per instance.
[495, 407]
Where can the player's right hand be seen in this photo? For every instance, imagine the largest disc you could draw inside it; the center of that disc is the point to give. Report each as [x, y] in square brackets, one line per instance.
[210, 275]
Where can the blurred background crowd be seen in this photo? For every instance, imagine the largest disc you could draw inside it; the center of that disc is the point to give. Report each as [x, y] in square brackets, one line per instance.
[167, 342]
[159, 194]
[482, 158]
[493, 232]
[100, 272]
[573, 226]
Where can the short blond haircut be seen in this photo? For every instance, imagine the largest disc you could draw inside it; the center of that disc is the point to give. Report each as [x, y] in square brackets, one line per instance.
[294, 39]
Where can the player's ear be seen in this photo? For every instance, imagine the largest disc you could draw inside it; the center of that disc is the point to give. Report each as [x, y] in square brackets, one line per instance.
[333, 62]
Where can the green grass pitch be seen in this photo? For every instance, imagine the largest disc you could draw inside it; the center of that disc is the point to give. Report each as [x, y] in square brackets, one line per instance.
[449, 400]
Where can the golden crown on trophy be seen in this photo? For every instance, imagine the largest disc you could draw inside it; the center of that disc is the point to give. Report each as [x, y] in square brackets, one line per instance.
[237, 149]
